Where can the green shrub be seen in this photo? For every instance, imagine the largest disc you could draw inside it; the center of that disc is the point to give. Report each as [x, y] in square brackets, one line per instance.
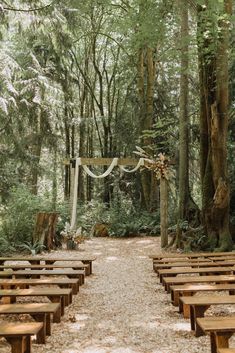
[122, 217]
[18, 217]
[6, 247]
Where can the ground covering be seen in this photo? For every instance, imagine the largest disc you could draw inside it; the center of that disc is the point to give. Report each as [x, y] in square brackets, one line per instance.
[122, 308]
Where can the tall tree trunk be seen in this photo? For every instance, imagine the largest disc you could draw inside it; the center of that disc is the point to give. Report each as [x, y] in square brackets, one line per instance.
[54, 180]
[213, 65]
[187, 209]
[67, 152]
[183, 118]
[146, 76]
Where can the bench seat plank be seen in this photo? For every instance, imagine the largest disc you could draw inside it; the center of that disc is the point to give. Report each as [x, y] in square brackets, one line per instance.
[39, 267]
[29, 273]
[204, 270]
[87, 260]
[169, 281]
[193, 264]
[30, 308]
[192, 255]
[13, 283]
[55, 295]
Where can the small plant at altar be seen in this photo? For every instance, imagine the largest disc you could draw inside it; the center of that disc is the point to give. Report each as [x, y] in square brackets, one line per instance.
[74, 236]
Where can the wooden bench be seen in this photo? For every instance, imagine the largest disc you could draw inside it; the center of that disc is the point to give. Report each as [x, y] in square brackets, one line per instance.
[169, 281]
[222, 258]
[80, 274]
[191, 289]
[40, 312]
[55, 295]
[226, 350]
[19, 335]
[87, 260]
[194, 307]
[204, 270]
[16, 267]
[180, 259]
[191, 255]
[220, 330]
[158, 266]
[36, 260]
[13, 283]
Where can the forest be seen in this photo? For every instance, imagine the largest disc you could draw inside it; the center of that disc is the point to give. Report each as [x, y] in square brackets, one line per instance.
[150, 79]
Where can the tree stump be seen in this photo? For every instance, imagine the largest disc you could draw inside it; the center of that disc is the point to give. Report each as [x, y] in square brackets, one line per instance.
[45, 229]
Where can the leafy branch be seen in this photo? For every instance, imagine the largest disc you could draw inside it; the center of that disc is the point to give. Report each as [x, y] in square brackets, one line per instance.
[10, 8]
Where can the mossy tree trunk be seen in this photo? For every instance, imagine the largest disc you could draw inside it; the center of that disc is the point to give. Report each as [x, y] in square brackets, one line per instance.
[213, 42]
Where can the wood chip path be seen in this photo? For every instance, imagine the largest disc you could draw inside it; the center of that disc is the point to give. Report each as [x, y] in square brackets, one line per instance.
[122, 308]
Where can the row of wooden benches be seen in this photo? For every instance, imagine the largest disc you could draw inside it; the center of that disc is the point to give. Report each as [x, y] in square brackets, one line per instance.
[17, 285]
[215, 274]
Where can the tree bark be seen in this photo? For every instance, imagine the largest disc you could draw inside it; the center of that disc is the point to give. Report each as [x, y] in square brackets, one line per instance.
[146, 77]
[213, 65]
[45, 229]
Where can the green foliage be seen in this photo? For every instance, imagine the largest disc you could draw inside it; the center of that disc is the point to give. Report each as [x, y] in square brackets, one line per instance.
[122, 218]
[18, 217]
[5, 246]
[133, 223]
[196, 241]
[33, 248]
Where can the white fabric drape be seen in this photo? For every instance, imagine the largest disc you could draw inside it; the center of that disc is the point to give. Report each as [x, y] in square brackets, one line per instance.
[90, 173]
[105, 174]
[140, 164]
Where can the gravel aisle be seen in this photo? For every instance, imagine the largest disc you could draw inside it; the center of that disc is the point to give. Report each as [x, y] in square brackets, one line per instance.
[121, 308]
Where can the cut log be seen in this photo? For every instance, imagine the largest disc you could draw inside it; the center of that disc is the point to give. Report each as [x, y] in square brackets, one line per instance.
[45, 229]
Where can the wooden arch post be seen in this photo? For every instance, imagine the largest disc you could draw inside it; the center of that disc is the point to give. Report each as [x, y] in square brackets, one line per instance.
[164, 211]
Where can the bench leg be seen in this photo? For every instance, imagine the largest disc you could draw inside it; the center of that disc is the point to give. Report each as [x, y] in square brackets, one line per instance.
[45, 318]
[20, 344]
[58, 299]
[27, 344]
[186, 311]
[86, 262]
[75, 288]
[197, 311]
[41, 336]
[9, 300]
[219, 340]
[175, 297]
[57, 315]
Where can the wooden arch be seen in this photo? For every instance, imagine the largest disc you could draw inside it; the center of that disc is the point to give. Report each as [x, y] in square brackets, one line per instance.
[124, 162]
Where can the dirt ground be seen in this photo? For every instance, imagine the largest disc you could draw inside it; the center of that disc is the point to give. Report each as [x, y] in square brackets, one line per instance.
[122, 308]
